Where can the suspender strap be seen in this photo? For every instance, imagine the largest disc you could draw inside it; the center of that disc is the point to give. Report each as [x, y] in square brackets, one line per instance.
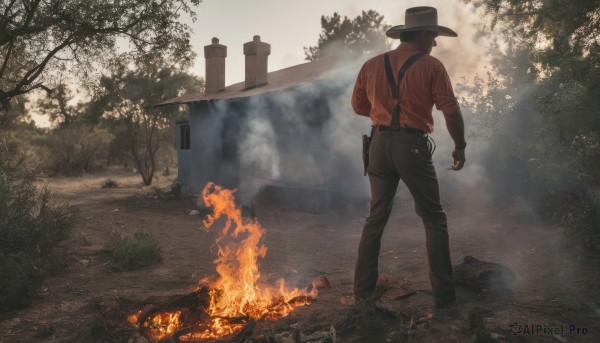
[395, 89]
[390, 76]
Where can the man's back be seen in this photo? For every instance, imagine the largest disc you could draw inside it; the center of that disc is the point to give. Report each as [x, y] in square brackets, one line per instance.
[425, 83]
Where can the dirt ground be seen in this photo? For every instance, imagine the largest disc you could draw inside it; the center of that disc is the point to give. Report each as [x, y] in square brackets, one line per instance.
[553, 290]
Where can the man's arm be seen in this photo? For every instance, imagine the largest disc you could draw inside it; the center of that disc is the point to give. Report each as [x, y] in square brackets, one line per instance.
[446, 101]
[360, 101]
[456, 128]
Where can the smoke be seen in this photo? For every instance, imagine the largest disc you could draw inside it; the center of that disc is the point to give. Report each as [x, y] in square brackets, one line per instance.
[258, 153]
[306, 137]
[309, 137]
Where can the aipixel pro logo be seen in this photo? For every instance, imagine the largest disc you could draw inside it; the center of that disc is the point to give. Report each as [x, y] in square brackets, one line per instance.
[544, 330]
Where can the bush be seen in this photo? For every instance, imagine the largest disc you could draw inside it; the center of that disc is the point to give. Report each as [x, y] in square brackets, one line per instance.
[110, 183]
[19, 279]
[137, 251]
[31, 225]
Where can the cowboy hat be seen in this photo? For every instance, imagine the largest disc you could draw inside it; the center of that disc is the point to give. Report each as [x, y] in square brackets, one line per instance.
[421, 18]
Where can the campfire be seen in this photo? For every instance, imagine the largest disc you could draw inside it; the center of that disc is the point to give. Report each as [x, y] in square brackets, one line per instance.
[226, 305]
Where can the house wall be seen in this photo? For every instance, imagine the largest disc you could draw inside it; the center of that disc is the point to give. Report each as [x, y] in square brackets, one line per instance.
[203, 158]
[183, 158]
[214, 147]
[296, 138]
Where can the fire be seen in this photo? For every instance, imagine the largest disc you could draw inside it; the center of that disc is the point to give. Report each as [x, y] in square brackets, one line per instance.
[237, 295]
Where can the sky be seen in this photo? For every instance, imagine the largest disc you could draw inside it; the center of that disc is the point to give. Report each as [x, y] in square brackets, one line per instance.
[291, 25]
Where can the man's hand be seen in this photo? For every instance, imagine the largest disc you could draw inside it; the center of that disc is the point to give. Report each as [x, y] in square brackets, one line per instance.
[459, 159]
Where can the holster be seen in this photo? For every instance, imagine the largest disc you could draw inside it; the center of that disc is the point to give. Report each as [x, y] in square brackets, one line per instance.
[366, 143]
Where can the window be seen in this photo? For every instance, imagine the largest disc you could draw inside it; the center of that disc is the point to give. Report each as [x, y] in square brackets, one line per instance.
[184, 131]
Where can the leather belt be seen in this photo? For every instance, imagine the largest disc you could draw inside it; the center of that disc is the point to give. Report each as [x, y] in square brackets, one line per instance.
[378, 128]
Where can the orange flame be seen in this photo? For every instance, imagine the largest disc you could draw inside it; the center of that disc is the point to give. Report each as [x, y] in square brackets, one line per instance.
[237, 292]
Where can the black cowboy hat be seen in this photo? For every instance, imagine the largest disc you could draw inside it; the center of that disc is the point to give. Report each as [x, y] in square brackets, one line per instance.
[421, 18]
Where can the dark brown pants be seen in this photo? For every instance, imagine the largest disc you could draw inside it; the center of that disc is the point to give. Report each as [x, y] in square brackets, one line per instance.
[396, 156]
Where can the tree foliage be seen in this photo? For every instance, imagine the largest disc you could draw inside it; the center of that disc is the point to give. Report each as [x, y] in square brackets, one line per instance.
[550, 133]
[59, 107]
[560, 40]
[364, 34]
[40, 40]
[561, 35]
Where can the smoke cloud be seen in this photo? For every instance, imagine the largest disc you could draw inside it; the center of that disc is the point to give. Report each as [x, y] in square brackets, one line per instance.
[305, 137]
[309, 136]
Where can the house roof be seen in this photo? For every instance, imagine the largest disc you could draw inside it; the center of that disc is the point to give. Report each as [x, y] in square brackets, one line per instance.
[277, 80]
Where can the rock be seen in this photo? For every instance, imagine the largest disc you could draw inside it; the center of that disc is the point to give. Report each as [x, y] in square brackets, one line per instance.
[194, 213]
[44, 331]
[347, 300]
[483, 276]
[497, 337]
[321, 282]
[137, 338]
[560, 338]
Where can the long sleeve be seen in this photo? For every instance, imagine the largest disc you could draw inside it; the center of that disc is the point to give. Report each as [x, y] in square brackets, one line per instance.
[360, 101]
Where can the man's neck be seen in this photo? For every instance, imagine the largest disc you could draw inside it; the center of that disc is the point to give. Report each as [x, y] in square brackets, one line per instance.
[410, 46]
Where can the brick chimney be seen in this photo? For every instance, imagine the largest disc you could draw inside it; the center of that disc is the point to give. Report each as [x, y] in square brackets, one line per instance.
[257, 54]
[215, 66]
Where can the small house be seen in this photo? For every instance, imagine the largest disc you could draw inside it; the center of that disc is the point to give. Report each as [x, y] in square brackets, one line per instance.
[292, 127]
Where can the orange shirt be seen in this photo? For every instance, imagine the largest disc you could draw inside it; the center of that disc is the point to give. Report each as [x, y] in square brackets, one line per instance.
[425, 83]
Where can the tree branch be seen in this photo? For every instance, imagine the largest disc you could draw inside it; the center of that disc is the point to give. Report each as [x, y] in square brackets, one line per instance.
[30, 12]
[8, 8]
[42, 86]
[34, 72]
[6, 58]
[24, 29]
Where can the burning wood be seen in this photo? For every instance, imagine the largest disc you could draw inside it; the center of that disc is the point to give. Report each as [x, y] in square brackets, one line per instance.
[235, 299]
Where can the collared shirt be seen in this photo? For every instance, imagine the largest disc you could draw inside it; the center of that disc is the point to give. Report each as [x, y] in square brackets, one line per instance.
[424, 84]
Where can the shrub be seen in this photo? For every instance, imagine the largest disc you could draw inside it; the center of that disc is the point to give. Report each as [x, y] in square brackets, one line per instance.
[31, 225]
[110, 183]
[176, 189]
[19, 279]
[137, 251]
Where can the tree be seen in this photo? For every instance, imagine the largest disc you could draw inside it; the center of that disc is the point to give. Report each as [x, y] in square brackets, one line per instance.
[41, 39]
[128, 98]
[57, 106]
[340, 35]
[563, 39]
[564, 51]
[552, 131]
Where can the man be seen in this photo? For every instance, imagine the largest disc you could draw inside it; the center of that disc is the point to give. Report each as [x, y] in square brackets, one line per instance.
[400, 148]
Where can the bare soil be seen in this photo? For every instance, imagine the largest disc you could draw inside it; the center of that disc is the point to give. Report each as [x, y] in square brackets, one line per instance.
[553, 289]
